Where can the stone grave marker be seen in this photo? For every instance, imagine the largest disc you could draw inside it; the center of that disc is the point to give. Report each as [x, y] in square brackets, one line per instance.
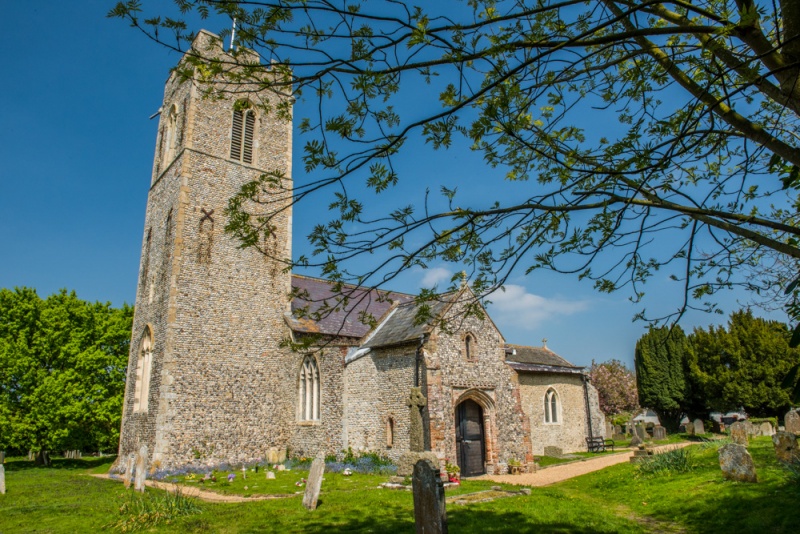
[736, 463]
[640, 431]
[739, 433]
[690, 428]
[270, 475]
[791, 421]
[636, 440]
[554, 452]
[314, 484]
[659, 432]
[272, 455]
[2, 479]
[617, 429]
[430, 515]
[281, 455]
[609, 429]
[128, 471]
[786, 447]
[765, 429]
[698, 427]
[141, 469]
[416, 451]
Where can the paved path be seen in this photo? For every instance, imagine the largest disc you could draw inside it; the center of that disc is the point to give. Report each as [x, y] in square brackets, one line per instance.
[557, 473]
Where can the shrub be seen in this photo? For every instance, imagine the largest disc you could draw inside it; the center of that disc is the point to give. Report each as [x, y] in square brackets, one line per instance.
[146, 510]
[666, 463]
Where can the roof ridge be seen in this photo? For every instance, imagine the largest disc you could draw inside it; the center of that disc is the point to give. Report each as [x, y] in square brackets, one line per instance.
[353, 286]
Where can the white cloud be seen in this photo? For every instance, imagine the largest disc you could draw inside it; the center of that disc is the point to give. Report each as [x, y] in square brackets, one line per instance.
[435, 275]
[517, 307]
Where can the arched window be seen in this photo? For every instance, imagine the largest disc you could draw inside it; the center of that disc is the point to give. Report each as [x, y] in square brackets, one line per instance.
[389, 432]
[309, 390]
[171, 140]
[143, 368]
[470, 347]
[551, 407]
[243, 132]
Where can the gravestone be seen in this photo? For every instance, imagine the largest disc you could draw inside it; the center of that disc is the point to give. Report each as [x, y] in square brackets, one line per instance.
[272, 456]
[766, 429]
[736, 463]
[786, 447]
[659, 432]
[2, 479]
[690, 428]
[314, 484]
[141, 469]
[739, 433]
[270, 475]
[554, 452]
[281, 455]
[751, 430]
[430, 515]
[791, 421]
[636, 440]
[128, 471]
[617, 429]
[698, 427]
[609, 429]
[640, 431]
[416, 451]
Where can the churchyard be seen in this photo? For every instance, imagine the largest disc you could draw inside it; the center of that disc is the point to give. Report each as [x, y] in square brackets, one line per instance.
[691, 497]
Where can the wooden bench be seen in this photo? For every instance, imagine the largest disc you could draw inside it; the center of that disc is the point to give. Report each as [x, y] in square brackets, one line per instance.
[598, 444]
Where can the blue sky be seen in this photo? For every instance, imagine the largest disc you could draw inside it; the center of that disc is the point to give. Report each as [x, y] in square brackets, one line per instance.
[76, 147]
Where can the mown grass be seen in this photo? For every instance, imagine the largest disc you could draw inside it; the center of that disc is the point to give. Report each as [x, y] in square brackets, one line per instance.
[619, 499]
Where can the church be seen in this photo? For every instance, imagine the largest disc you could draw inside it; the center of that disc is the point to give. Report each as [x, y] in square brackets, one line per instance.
[211, 378]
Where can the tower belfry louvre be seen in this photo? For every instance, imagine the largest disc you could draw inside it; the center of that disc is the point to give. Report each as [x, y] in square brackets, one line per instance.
[209, 377]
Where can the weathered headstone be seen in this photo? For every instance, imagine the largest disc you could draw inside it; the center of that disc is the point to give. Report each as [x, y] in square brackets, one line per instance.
[281, 455]
[128, 471]
[791, 421]
[786, 447]
[640, 431]
[270, 475]
[636, 440]
[272, 455]
[698, 427]
[141, 469]
[659, 432]
[765, 429]
[739, 433]
[553, 451]
[314, 484]
[736, 463]
[430, 515]
[609, 429]
[751, 430]
[416, 451]
[2, 479]
[690, 428]
[617, 429]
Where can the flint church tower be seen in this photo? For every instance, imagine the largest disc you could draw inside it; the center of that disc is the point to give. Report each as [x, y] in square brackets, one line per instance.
[199, 382]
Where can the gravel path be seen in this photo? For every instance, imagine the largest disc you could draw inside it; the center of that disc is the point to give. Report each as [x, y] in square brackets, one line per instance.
[557, 473]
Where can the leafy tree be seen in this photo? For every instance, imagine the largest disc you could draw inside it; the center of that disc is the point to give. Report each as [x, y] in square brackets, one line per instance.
[62, 371]
[617, 123]
[616, 387]
[742, 366]
[659, 363]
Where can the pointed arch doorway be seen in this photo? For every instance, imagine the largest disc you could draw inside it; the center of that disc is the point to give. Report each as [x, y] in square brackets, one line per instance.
[470, 438]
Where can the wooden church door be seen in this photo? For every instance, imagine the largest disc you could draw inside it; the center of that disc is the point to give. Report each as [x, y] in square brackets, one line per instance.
[469, 438]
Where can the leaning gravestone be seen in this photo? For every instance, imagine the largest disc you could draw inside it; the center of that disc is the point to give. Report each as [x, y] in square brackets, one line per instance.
[430, 515]
[659, 432]
[141, 469]
[736, 463]
[698, 427]
[314, 484]
[739, 433]
[791, 421]
[128, 471]
[640, 431]
[690, 428]
[786, 447]
[2, 479]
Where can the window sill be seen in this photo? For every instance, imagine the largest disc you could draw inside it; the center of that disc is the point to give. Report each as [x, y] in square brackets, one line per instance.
[308, 423]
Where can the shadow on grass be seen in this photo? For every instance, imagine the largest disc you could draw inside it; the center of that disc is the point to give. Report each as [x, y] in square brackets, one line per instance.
[90, 462]
[462, 519]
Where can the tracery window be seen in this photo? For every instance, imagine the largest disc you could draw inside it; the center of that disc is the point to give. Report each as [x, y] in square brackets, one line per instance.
[243, 132]
[552, 407]
[309, 390]
[144, 364]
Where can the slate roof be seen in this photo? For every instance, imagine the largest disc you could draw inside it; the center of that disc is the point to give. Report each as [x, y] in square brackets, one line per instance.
[399, 327]
[538, 359]
[343, 322]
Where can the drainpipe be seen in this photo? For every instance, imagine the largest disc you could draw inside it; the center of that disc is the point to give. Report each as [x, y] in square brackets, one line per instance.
[588, 408]
[418, 359]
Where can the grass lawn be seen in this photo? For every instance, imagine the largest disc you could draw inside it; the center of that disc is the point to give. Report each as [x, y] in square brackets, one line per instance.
[65, 499]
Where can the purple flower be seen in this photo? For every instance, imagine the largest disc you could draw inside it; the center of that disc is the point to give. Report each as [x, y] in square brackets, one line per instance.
[231, 477]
